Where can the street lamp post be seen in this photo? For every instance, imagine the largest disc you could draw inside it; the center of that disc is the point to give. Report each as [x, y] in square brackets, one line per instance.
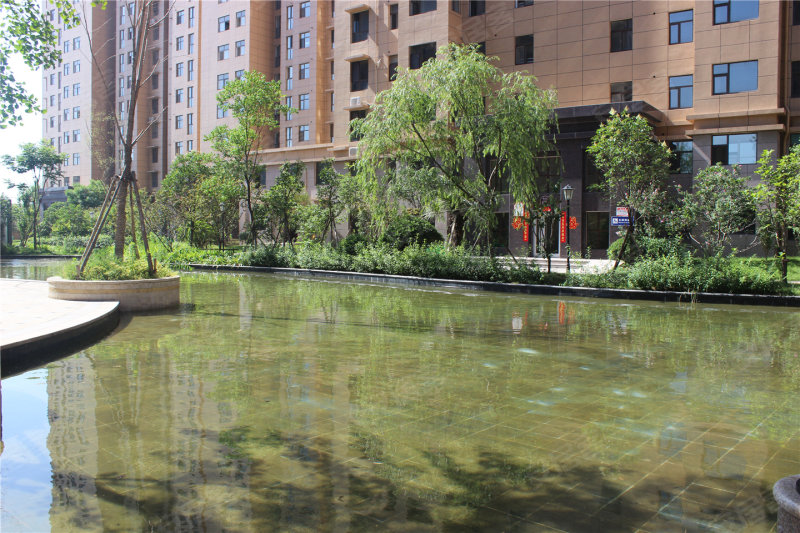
[567, 190]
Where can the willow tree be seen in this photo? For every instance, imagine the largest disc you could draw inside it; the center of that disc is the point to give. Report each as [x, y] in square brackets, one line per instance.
[452, 133]
[255, 103]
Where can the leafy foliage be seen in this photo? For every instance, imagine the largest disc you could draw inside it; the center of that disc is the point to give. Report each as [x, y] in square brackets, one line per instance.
[719, 205]
[446, 136]
[408, 229]
[279, 207]
[777, 198]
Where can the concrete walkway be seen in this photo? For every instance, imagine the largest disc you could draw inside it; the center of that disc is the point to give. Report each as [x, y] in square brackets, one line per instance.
[33, 326]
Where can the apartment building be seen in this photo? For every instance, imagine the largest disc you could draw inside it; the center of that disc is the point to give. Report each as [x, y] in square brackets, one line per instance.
[715, 77]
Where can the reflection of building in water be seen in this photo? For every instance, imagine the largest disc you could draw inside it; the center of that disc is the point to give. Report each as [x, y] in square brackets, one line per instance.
[72, 442]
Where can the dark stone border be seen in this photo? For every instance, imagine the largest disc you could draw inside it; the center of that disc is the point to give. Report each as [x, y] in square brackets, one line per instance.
[515, 288]
[28, 355]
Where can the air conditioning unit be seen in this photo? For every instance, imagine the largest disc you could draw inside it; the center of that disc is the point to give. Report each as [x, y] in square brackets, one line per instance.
[355, 101]
[352, 151]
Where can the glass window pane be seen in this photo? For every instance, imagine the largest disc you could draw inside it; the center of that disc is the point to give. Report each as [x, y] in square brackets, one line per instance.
[742, 149]
[744, 10]
[744, 76]
[720, 84]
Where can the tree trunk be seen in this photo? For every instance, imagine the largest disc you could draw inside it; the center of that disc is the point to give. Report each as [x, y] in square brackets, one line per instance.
[456, 228]
[133, 227]
[121, 223]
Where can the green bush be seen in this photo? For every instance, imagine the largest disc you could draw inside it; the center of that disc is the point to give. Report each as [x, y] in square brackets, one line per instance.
[350, 244]
[408, 229]
[320, 256]
[268, 256]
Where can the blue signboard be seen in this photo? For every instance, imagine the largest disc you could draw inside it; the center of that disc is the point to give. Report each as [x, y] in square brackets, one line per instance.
[620, 221]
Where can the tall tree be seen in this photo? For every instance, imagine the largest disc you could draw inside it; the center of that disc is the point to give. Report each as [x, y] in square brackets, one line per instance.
[281, 203]
[182, 190]
[458, 129]
[255, 103]
[635, 165]
[43, 163]
[777, 199]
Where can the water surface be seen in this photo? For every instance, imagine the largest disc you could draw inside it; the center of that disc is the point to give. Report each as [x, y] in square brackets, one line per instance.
[281, 404]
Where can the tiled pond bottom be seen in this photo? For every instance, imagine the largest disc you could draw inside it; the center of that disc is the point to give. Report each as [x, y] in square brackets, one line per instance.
[276, 404]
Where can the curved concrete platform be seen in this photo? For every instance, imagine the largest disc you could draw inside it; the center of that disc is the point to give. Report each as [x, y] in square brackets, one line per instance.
[35, 329]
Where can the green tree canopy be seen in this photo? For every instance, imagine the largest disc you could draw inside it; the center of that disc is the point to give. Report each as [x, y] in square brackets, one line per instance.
[87, 196]
[450, 136]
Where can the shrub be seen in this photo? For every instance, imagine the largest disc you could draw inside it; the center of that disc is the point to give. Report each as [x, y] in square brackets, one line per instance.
[350, 244]
[408, 229]
[268, 256]
[320, 256]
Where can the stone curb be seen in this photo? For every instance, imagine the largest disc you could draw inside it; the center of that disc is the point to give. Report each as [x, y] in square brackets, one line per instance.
[41, 257]
[545, 290]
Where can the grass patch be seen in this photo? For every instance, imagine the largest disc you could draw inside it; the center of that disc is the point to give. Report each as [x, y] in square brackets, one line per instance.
[103, 266]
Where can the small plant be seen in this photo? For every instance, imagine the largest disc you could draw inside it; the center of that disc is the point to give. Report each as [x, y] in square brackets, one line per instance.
[103, 266]
[408, 229]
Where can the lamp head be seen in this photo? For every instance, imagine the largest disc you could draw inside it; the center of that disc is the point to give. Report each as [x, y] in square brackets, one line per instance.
[567, 190]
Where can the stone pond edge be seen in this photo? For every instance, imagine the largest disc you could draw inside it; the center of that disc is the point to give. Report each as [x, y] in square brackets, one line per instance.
[132, 295]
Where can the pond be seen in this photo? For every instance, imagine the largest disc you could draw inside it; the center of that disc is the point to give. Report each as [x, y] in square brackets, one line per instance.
[269, 403]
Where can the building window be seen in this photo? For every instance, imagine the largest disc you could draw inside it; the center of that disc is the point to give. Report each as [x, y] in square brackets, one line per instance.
[76, 112]
[155, 56]
[222, 112]
[121, 63]
[191, 43]
[190, 97]
[682, 157]
[223, 52]
[222, 81]
[155, 30]
[417, 7]
[224, 23]
[680, 91]
[304, 102]
[621, 35]
[523, 3]
[358, 113]
[190, 123]
[67, 67]
[154, 81]
[392, 68]
[477, 7]
[734, 149]
[240, 48]
[289, 47]
[726, 11]
[66, 138]
[303, 135]
[332, 100]
[76, 159]
[795, 12]
[289, 17]
[154, 130]
[305, 9]
[191, 17]
[179, 43]
[597, 233]
[76, 136]
[290, 106]
[735, 77]
[154, 106]
[305, 71]
[241, 19]
[795, 79]
[67, 45]
[154, 179]
[680, 27]
[179, 17]
[289, 77]
[359, 75]
[305, 39]
[179, 96]
[420, 53]
[622, 91]
[189, 145]
[360, 27]
[76, 66]
[393, 15]
[332, 71]
[178, 148]
[523, 50]
[190, 70]
[76, 180]
[289, 140]
[179, 69]
[178, 122]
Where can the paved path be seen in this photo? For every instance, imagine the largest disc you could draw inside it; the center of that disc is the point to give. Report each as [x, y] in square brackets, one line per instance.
[32, 322]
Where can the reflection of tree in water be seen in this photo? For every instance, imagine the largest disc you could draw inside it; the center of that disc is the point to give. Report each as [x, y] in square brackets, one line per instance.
[288, 404]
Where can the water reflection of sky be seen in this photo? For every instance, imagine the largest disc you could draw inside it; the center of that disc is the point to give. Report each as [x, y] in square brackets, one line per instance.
[25, 461]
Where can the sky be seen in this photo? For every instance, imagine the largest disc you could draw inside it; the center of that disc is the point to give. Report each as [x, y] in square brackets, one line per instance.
[29, 131]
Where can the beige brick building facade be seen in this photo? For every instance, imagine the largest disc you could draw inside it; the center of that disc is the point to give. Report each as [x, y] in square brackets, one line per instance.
[714, 76]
